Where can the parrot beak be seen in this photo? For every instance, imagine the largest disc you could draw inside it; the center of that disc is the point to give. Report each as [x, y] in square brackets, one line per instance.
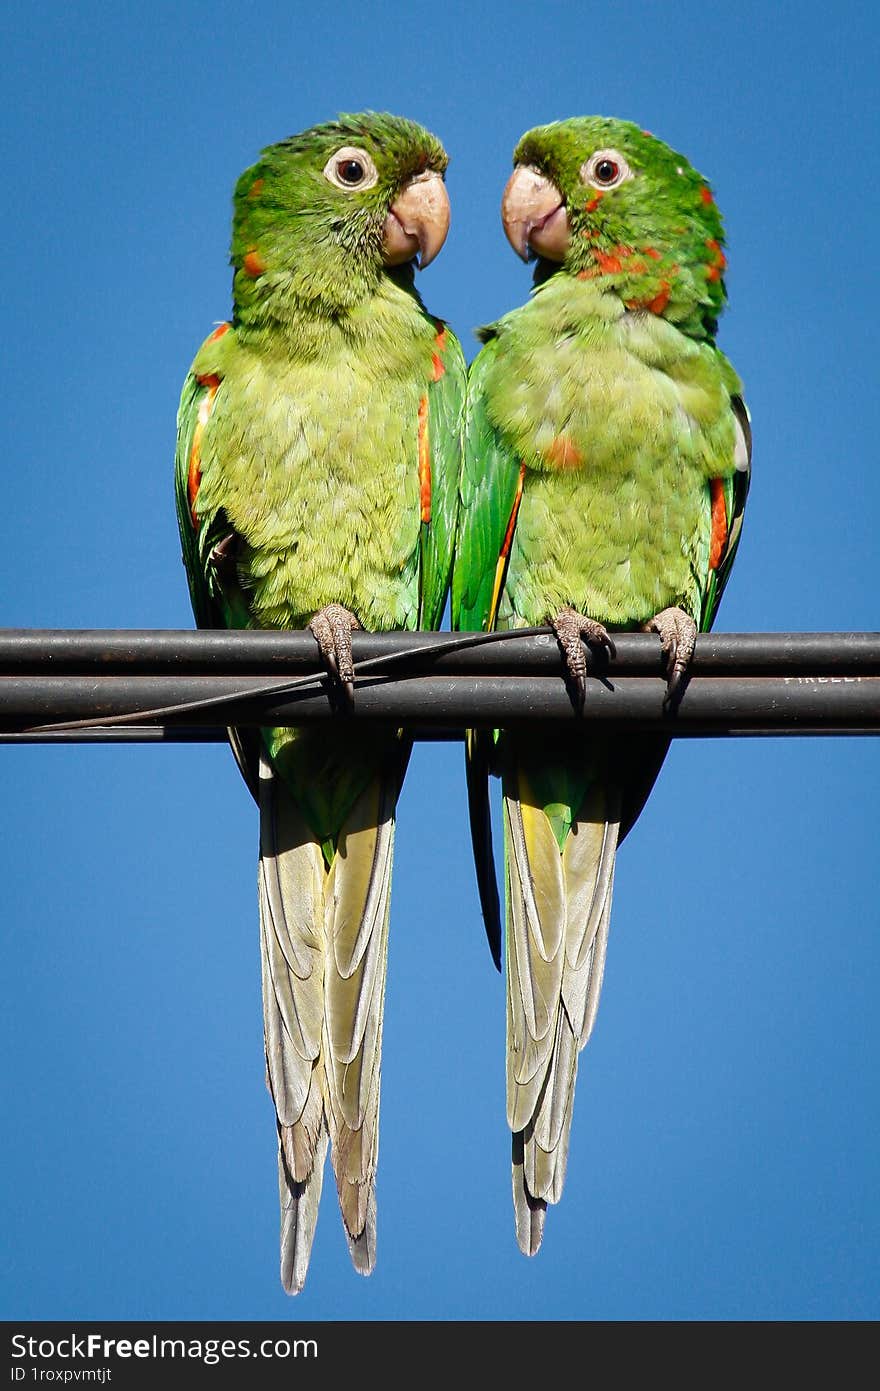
[417, 221]
[534, 216]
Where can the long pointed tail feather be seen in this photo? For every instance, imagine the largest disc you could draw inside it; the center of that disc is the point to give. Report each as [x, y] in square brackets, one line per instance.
[299, 1214]
[558, 913]
[356, 926]
[324, 938]
[291, 929]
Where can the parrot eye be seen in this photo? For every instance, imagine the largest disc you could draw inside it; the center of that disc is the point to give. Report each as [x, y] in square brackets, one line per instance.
[605, 169]
[351, 169]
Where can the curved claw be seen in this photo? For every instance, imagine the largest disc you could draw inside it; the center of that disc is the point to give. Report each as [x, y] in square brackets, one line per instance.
[678, 637]
[569, 627]
[332, 627]
[675, 685]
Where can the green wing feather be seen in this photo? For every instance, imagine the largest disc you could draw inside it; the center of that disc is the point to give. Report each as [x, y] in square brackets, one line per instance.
[191, 398]
[489, 484]
[445, 409]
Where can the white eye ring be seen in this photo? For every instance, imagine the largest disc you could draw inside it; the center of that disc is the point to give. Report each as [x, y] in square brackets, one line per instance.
[350, 155]
[590, 170]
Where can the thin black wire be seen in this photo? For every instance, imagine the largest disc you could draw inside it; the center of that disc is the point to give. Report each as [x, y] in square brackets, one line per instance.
[282, 688]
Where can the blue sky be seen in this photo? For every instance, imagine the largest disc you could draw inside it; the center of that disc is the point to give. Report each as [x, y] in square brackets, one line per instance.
[725, 1148]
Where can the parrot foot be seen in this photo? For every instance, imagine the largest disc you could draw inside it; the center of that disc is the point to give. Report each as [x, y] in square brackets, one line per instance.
[569, 627]
[332, 627]
[678, 636]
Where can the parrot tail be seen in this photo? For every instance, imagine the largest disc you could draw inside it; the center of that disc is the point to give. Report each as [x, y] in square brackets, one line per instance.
[324, 938]
[558, 911]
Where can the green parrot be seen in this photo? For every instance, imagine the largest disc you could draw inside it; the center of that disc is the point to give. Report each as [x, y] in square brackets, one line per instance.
[606, 465]
[317, 466]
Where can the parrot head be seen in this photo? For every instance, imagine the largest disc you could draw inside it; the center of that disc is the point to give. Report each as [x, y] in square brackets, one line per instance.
[323, 214]
[602, 199]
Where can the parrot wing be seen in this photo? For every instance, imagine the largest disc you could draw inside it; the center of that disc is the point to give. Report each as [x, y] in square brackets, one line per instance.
[215, 603]
[490, 490]
[195, 403]
[726, 500]
[728, 503]
[440, 424]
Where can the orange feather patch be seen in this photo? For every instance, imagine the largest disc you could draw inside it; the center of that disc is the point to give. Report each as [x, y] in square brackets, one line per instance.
[655, 305]
[563, 453]
[619, 259]
[661, 299]
[719, 523]
[514, 512]
[719, 260]
[424, 462]
[253, 263]
[438, 367]
[505, 548]
[194, 472]
[608, 264]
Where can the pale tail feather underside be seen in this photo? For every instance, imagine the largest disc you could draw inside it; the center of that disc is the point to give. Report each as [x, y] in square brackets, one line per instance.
[324, 937]
[558, 913]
